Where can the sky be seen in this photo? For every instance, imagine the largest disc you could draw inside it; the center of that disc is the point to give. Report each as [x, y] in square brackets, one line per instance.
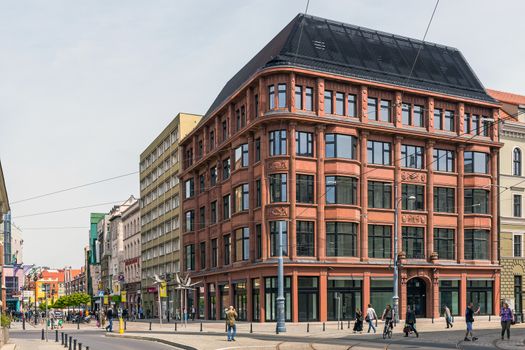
[85, 86]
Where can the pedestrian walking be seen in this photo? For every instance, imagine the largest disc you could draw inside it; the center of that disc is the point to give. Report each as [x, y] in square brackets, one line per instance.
[358, 325]
[231, 315]
[506, 320]
[370, 317]
[193, 313]
[448, 316]
[109, 327]
[410, 322]
[469, 319]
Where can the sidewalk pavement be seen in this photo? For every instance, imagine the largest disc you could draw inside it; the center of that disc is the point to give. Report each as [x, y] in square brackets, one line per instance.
[31, 344]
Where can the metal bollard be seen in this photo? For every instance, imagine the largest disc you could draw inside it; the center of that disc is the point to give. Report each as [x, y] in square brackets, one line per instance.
[348, 324]
[201, 327]
[125, 325]
[276, 329]
[79, 346]
[251, 327]
[87, 347]
[42, 333]
[175, 326]
[74, 344]
[24, 323]
[62, 336]
[65, 341]
[489, 318]
[150, 326]
[226, 327]
[308, 327]
[324, 328]
[56, 335]
[70, 342]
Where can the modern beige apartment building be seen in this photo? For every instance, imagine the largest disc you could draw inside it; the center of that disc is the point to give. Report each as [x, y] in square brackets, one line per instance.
[160, 213]
[512, 193]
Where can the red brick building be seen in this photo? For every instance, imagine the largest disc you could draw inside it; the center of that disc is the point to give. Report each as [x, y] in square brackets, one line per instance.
[316, 131]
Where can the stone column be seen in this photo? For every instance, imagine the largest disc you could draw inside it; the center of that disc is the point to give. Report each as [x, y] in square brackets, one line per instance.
[292, 242]
[460, 124]
[295, 296]
[320, 190]
[366, 291]
[249, 299]
[363, 240]
[430, 199]
[323, 287]
[231, 120]
[430, 114]
[460, 242]
[463, 294]
[398, 110]
[319, 102]
[494, 192]
[291, 93]
[262, 298]
[248, 110]
[263, 103]
[363, 104]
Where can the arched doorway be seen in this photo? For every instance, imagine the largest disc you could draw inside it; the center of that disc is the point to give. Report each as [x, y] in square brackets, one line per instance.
[416, 296]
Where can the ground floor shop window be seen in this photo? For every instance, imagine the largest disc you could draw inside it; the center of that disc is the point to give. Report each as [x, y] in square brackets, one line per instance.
[239, 297]
[345, 295]
[449, 296]
[518, 295]
[200, 293]
[224, 293]
[270, 295]
[381, 293]
[480, 293]
[211, 301]
[256, 300]
[308, 297]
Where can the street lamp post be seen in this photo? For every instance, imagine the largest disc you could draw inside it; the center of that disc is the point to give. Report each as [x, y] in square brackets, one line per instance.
[281, 327]
[396, 252]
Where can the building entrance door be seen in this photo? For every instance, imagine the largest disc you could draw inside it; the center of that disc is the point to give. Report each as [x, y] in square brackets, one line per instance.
[416, 296]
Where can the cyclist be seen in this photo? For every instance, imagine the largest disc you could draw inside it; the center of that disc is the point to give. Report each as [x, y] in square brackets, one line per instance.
[388, 316]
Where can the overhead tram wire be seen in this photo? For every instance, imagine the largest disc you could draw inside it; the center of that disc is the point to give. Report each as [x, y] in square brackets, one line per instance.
[74, 187]
[67, 209]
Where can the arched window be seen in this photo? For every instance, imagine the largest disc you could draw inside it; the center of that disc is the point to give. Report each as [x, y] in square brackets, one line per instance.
[516, 162]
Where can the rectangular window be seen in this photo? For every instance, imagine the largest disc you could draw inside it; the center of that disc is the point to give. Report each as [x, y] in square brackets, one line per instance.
[352, 105]
[190, 257]
[202, 253]
[238, 124]
[256, 105]
[227, 249]
[226, 169]
[304, 188]
[304, 144]
[328, 107]
[277, 142]
[444, 244]
[257, 150]
[476, 201]
[341, 190]
[466, 123]
[340, 146]
[443, 160]
[412, 157]
[201, 149]
[339, 103]
[385, 111]
[190, 220]
[408, 191]
[305, 238]
[213, 176]
[226, 208]
[438, 119]
[258, 196]
[241, 198]
[414, 242]
[379, 195]
[282, 95]
[372, 108]
[378, 152]
[419, 119]
[444, 200]
[309, 96]
[243, 117]
[274, 237]
[406, 114]
[211, 143]
[517, 205]
[214, 253]
[278, 188]
[213, 212]
[241, 156]
[486, 127]
[258, 237]
[224, 130]
[202, 217]
[476, 123]
[341, 239]
[449, 121]
[271, 97]
[202, 185]
[477, 244]
[298, 97]
[242, 244]
[517, 244]
[379, 241]
[189, 188]
[476, 162]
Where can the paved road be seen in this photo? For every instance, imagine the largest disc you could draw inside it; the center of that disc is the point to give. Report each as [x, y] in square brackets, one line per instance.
[95, 340]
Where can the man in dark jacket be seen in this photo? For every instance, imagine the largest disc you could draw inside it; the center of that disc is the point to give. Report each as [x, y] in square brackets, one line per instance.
[410, 322]
[469, 319]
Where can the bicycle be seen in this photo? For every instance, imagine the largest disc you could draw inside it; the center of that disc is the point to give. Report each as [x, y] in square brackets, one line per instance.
[387, 331]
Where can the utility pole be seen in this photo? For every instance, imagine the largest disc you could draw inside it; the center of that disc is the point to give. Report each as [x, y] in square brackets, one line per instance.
[281, 327]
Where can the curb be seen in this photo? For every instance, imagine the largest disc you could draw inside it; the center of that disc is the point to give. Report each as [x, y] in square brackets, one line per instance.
[158, 340]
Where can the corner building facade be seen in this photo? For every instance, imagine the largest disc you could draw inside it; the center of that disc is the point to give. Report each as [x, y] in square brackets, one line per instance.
[326, 141]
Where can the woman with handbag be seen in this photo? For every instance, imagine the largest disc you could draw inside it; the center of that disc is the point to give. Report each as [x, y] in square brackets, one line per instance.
[358, 325]
[370, 317]
[507, 318]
